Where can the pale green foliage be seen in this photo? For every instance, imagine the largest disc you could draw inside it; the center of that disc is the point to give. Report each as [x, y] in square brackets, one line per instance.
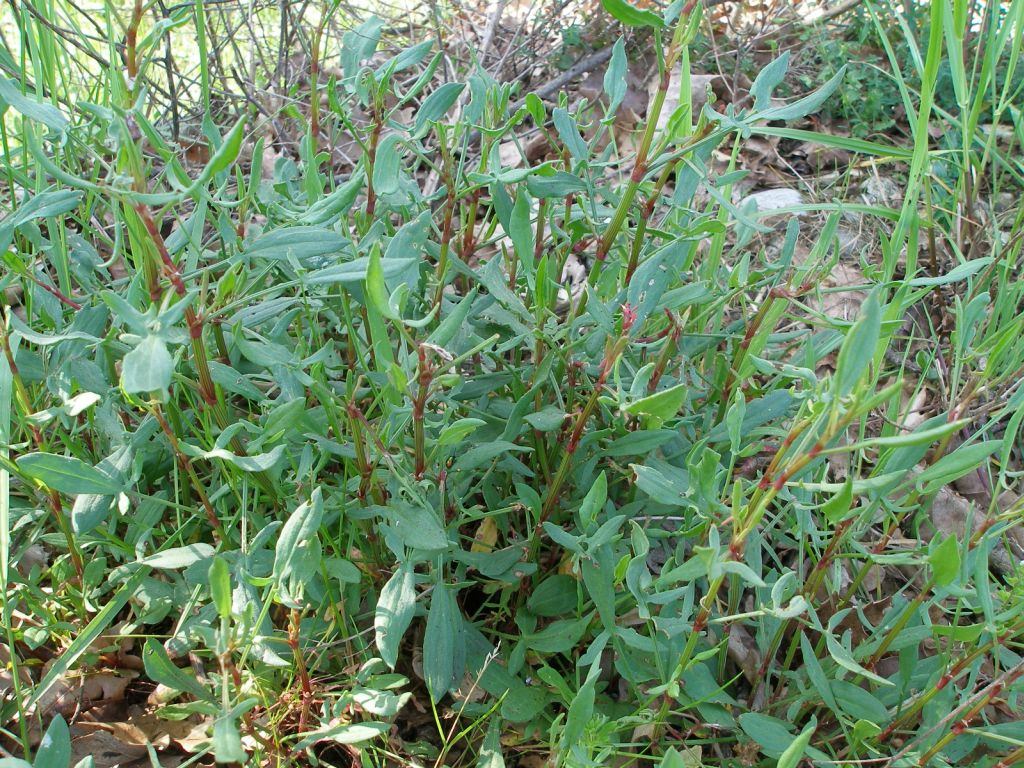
[342, 440]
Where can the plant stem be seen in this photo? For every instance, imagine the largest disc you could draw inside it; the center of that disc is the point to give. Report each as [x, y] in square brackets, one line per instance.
[186, 464]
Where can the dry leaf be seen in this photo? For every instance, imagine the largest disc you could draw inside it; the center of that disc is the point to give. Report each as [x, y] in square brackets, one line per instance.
[486, 536]
[743, 651]
[105, 748]
[508, 152]
[76, 691]
[948, 517]
[700, 85]
[772, 200]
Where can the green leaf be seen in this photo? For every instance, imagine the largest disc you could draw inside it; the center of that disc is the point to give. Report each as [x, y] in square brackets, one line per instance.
[535, 106]
[297, 556]
[147, 368]
[955, 275]
[918, 437]
[458, 430]
[555, 596]
[565, 125]
[558, 636]
[345, 571]
[348, 733]
[307, 245]
[387, 165]
[845, 659]
[67, 474]
[661, 405]
[615, 77]
[632, 16]
[220, 586]
[521, 232]
[836, 508]
[769, 732]
[795, 751]
[850, 144]
[673, 491]
[955, 465]
[945, 561]
[228, 150]
[808, 104]
[443, 643]
[55, 747]
[545, 420]
[30, 107]
[417, 526]
[599, 577]
[673, 758]
[859, 703]
[380, 703]
[558, 184]
[395, 609]
[355, 271]
[767, 80]
[486, 452]
[160, 669]
[454, 321]
[435, 106]
[179, 557]
[490, 750]
[359, 44]
[815, 673]
[376, 291]
[858, 347]
[259, 462]
[227, 741]
[39, 206]
[581, 709]
[89, 509]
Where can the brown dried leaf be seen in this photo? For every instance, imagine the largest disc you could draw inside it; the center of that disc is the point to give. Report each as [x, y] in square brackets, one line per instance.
[743, 651]
[700, 86]
[106, 749]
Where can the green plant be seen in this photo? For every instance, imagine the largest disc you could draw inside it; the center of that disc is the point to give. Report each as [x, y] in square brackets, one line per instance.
[345, 442]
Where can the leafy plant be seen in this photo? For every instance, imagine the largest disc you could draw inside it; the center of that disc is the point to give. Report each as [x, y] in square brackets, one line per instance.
[357, 442]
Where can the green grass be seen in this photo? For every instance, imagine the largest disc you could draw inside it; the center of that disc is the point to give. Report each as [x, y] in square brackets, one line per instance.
[336, 438]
